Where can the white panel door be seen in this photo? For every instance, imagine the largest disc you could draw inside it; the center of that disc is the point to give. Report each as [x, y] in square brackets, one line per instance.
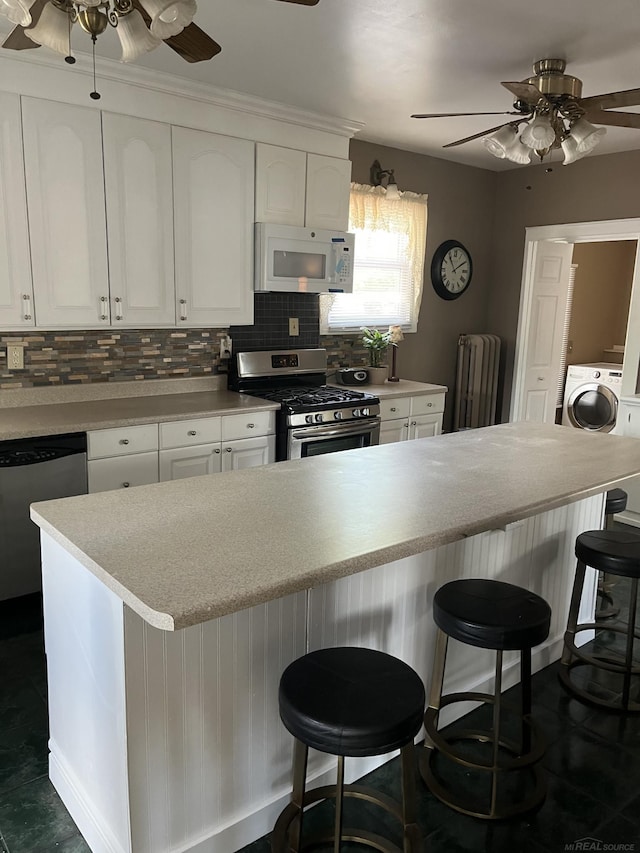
[248, 453]
[214, 206]
[16, 292]
[190, 462]
[328, 187]
[544, 347]
[280, 185]
[65, 195]
[394, 430]
[425, 426]
[139, 195]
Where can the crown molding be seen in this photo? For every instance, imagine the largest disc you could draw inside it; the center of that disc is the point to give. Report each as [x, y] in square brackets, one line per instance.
[145, 80]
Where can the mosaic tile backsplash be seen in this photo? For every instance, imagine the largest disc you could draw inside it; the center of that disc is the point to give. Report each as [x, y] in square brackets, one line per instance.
[83, 357]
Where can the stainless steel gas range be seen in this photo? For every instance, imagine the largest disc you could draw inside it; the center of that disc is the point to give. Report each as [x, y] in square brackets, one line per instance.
[314, 418]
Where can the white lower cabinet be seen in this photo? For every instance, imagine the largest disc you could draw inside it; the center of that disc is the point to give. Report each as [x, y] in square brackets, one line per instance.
[248, 452]
[194, 461]
[122, 457]
[406, 418]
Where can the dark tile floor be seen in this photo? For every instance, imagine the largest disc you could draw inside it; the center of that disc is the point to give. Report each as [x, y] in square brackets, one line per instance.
[592, 767]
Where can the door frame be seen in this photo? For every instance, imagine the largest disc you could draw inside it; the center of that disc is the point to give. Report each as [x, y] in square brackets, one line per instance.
[576, 232]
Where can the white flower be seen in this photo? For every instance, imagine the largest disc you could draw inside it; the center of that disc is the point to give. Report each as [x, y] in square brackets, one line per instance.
[396, 334]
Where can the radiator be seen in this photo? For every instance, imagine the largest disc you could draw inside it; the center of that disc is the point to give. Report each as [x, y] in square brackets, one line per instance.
[476, 381]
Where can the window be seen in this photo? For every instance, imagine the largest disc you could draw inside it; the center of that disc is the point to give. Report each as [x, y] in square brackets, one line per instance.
[389, 263]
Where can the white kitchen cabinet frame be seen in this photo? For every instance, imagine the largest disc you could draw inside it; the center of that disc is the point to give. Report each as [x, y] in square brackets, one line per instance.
[214, 213]
[139, 200]
[16, 288]
[66, 211]
[410, 417]
[328, 188]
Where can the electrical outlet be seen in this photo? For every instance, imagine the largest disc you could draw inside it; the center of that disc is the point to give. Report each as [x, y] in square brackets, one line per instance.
[294, 327]
[225, 347]
[15, 357]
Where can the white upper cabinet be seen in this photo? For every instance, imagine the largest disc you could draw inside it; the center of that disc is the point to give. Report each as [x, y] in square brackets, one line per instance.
[328, 186]
[65, 194]
[16, 293]
[139, 197]
[214, 208]
[280, 185]
[294, 188]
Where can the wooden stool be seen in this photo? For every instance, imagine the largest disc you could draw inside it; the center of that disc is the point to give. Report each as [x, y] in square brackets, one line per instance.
[617, 553]
[350, 702]
[487, 614]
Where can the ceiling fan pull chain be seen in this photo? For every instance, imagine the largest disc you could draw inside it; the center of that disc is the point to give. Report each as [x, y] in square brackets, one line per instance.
[69, 58]
[95, 94]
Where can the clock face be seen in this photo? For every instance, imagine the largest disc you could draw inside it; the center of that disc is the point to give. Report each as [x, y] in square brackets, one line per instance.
[451, 270]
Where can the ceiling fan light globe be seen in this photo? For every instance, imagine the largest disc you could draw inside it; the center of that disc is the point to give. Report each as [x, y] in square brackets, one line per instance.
[169, 17]
[17, 11]
[52, 30]
[135, 37]
[586, 135]
[538, 134]
[518, 153]
[498, 143]
[570, 150]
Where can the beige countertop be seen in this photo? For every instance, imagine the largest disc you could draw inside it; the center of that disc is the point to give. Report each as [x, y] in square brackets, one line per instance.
[80, 416]
[183, 552]
[402, 388]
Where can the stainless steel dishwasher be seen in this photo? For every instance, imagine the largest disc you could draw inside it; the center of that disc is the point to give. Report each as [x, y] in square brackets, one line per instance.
[34, 469]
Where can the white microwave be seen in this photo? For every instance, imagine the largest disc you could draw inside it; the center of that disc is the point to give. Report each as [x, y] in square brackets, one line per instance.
[303, 260]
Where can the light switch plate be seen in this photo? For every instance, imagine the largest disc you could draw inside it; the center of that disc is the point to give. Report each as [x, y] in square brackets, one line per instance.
[15, 357]
[294, 327]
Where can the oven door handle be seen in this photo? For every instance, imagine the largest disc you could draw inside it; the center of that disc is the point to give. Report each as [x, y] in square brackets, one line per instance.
[319, 432]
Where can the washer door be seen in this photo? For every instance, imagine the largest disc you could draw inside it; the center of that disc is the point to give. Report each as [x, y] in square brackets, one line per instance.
[593, 407]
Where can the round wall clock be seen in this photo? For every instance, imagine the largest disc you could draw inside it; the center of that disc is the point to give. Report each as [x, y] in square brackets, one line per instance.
[451, 269]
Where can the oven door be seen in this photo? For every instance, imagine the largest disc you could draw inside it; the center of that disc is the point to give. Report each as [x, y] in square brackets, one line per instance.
[318, 440]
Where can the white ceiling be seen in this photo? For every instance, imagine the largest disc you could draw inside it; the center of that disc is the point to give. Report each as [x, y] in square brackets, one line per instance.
[378, 61]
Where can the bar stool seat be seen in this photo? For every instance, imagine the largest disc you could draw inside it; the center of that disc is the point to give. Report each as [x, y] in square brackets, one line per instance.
[616, 502]
[350, 702]
[615, 552]
[494, 615]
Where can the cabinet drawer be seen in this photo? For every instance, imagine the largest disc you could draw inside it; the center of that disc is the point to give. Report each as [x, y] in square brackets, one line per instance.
[398, 407]
[122, 441]
[121, 472]
[247, 425]
[187, 433]
[427, 404]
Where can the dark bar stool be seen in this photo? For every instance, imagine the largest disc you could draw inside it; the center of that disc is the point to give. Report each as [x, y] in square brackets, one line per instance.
[617, 553]
[350, 702]
[487, 614]
[605, 608]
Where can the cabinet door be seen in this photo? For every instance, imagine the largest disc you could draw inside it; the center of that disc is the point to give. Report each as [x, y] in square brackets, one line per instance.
[214, 204]
[65, 195]
[280, 185]
[629, 419]
[16, 293]
[190, 461]
[425, 426]
[122, 472]
[394, 430]
[248, 453]
[139, 197]
[328, 187]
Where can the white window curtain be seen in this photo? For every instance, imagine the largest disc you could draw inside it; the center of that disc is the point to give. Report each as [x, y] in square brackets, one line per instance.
[390, 245]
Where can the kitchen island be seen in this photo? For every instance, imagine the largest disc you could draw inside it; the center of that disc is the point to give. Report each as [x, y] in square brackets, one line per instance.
[172, 609]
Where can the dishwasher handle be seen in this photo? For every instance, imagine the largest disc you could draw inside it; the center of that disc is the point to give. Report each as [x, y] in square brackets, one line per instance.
[32, 451]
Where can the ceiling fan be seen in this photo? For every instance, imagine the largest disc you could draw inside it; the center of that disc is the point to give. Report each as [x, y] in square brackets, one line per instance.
[555, 114]
[142, 25]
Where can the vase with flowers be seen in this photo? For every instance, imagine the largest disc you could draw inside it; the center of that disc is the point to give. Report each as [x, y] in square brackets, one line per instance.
[376, 343]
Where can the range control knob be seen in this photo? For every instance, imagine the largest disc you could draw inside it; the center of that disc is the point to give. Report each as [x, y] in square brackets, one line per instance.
[337, 416]
[319, 418]
[365, 413]
[356, 413]
[308, 419]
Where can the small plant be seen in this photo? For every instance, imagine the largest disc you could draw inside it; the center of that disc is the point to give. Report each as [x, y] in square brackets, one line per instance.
[376, 342]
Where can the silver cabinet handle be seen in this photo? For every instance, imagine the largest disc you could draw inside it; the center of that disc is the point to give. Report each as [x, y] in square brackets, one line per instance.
[118, 302]
[183, 309]
[429, 405]
[393, 409]
[229, 449]
[405, 425]
[217, 450]
[27, 300]
[192, 432]
[251, 426]
[126, 485]
[124, 441]
[103, 302]
[414, 423]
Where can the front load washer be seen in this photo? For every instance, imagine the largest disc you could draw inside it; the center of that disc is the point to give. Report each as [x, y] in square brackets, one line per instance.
[591, 395]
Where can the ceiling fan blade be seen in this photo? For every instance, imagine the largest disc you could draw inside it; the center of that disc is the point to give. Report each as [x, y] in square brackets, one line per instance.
[453, 115]
[628, 98]
[192, 44]
[477, 135]
[526, 92]
[302, 2]
[17, 39]
[614, 119]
